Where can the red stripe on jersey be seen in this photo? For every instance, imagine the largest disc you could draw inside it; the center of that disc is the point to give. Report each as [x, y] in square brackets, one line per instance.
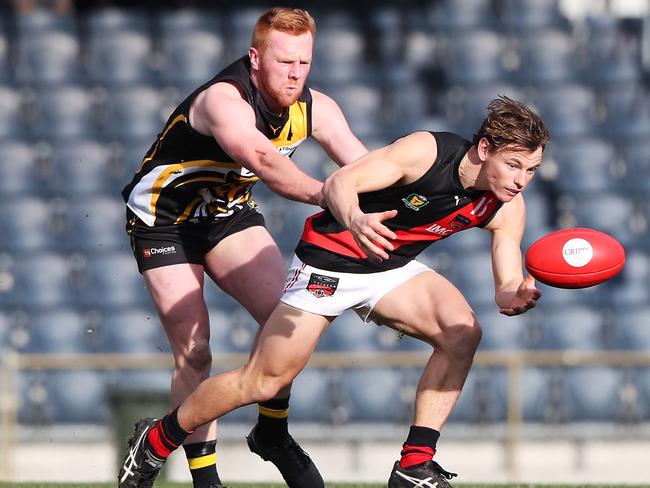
[339, 243]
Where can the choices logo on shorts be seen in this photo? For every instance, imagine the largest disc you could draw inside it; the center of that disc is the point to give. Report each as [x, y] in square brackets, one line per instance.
[164, 251]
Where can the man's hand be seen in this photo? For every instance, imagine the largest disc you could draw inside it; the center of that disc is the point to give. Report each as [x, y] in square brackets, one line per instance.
[522, 300]
[372, 236]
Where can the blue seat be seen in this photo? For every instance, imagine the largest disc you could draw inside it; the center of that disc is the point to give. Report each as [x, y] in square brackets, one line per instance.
[66, 111]
[311, 396]
[33, 287]
[191, 59]
[132, 330]
[349, 333]
[462, 15]
[120, 57]
[18, 166]
[338, 55]
[27, 224]
[6, 71]
[637, 162]
[86, 168]
[501, 332]
[482, 399]
[568, 109]
[572, 327]
[136, 112]
[142, 381]
[365, 402]
[187, 19]
[101, 221]
[546, 56]
[362, 104]
[474, 57]
[239, 25]
[522, 16]
[585, 165]
[472, 275]
[77, 396]
[44, 20]
[643, 385]
[112, 20]
[632, 329]
[535, 391]
[113, 280]
[49, 57]
[12, 117]
[584, 402]
[60, 331]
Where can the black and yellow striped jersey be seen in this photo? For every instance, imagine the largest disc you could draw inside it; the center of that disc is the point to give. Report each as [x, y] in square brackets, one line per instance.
[186, 176]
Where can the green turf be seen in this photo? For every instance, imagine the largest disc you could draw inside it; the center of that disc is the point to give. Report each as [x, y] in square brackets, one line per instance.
[272, 485]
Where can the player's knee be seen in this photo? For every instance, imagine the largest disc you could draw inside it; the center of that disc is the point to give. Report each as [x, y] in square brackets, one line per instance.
[463, 337]
[267, 387]
[197, 356]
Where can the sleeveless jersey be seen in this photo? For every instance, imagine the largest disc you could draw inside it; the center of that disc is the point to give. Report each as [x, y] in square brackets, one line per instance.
[429, 209]
[186, 176]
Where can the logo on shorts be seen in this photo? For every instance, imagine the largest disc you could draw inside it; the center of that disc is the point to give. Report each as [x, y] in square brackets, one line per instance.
[415, 201]
[322, 286]
[164, 251]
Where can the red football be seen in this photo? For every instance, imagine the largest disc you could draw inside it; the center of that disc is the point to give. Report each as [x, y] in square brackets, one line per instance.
[575, 258]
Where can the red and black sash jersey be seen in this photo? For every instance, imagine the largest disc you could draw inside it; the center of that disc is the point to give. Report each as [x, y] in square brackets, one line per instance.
[187, 176]
[429, 209]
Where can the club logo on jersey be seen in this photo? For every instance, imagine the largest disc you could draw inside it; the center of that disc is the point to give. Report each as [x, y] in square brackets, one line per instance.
[415, 201]
[459, 222]
[275, 129]
[152, 251]
[322, 286]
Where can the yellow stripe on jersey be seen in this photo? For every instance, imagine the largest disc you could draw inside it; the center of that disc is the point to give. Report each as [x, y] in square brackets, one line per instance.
[216, 179]
[180, 118]
[275, 414]
[203, 461]
[188, 210]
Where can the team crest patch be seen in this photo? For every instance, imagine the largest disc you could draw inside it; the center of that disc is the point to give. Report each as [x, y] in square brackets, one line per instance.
[459, 222]
[322, 286]
[415, 201]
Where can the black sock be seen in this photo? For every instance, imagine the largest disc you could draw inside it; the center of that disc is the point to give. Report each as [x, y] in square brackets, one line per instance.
[166, 435]
[272, 422]
[202, 459]
[422, 436]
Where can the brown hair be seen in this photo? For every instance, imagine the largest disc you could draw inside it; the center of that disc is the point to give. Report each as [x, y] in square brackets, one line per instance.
[290, 20]
[512, 125]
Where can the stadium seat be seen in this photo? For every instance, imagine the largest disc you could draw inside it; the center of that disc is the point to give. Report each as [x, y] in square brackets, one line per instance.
[49, 57]
[120, 57]
[113, 281]
[523, 16]
[132, 330]
[571, 327]
[112, 20]
[239, 24]
[338, 56]
[192, 59]
[77, 396]
[42, 280]
[64, 112]
[568, 110]
[44, 19]
[632, 329]
[135, 112]
[349, 333]
[546, 56]
[100, 220]
[311, 396]
[6, 71]
[586, 403]
[386, 33]
[482, 399]
[12, 116]
[27, 224]
[474, 57]
[462, 15]
[643, 384]
[19, 169]
[60, 331]
[362, 105]
[472, 275]
[501, 332]
[188, 19]
[636, 158]
[585, 165]
[85, 168]
[364, 402]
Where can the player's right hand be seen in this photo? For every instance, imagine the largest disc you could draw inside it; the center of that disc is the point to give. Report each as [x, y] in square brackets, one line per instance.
[372, 236]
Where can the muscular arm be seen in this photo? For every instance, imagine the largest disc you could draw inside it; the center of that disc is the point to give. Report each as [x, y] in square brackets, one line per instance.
[514, 294]
[331, 130]
[220, 112]
[401, 162]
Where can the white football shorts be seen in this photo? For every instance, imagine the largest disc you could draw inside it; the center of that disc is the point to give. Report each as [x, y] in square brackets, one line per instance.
[330, 293]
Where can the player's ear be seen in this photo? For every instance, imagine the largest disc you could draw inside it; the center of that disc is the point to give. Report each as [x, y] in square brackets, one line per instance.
[483, 148]
[254, 57]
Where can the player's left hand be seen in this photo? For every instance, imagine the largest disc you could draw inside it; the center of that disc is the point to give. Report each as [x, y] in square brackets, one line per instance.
[523, 299]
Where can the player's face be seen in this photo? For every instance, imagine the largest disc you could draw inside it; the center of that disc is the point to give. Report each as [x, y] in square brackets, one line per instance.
[509, 172]
[283, 66]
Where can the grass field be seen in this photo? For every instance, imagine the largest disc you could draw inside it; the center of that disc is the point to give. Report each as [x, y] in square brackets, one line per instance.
[271, 485]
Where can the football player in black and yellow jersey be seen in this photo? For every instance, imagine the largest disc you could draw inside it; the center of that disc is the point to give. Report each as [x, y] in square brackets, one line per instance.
[191, 213]
[381, 212]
